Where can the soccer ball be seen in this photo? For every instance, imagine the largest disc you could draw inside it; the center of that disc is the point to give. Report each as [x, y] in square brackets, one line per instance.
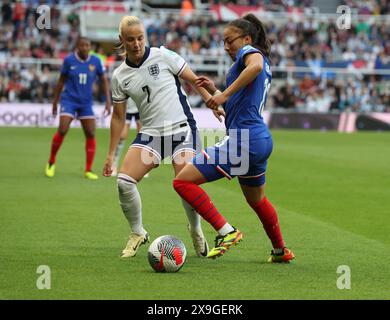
[167, 254]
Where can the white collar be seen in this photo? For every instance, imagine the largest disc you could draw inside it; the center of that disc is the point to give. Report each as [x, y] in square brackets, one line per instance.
[81, 60]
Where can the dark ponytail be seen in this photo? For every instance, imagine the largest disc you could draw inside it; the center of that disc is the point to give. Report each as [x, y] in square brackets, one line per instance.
[253, 27]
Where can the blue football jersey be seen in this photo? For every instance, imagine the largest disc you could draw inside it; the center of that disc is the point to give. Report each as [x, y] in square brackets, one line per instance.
[243, 109]
[80, 76]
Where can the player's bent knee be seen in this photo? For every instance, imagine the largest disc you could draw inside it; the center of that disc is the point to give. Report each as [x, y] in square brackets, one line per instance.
[125, 182]
[127, 189]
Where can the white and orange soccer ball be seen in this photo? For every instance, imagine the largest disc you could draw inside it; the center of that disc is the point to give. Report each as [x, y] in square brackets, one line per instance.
[167, 254]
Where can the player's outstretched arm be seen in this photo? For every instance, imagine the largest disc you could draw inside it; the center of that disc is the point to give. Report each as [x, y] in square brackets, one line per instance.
[118, 120]
[208, 84]
[253, 66]
[189, 76]
[57, 93]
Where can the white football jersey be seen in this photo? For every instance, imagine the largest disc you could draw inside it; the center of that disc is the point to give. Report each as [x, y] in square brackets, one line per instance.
[131, 106]
[155, 88]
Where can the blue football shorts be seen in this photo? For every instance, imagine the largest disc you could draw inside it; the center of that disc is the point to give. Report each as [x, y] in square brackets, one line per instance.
[236, 157]
[77, 111]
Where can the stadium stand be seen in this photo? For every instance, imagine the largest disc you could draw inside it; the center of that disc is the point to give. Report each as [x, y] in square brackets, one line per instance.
[317, 66]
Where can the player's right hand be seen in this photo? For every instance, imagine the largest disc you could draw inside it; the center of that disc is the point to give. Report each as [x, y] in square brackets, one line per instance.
[204, 82]
[107, 169]
[54, 109]
[216, 101]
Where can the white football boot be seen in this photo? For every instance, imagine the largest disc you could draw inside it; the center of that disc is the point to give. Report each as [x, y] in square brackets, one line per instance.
[200, 243]
[134, 242]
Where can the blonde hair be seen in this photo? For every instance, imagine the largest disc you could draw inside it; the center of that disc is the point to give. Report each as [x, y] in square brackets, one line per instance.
[126, 21]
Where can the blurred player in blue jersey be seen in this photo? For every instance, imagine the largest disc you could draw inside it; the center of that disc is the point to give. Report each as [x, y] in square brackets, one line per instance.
[248, 144]
[78, 73]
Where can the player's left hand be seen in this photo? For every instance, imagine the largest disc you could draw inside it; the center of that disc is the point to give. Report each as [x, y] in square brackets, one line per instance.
[107, 169]
[204, 82]
[107, 109]
[218, 113]
[215, 101]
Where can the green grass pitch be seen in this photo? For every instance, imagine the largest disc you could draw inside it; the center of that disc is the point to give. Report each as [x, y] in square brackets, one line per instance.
[331, 191]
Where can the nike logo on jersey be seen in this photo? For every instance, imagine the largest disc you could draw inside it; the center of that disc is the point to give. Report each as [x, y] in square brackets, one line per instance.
[126, 83]
[72, 67]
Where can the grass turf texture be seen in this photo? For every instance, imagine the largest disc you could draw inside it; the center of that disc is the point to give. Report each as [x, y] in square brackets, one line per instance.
[331, 192]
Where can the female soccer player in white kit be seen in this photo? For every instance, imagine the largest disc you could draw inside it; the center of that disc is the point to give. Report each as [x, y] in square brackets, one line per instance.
[150, 77]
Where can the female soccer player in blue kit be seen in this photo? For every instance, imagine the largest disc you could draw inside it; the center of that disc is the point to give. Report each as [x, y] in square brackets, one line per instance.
[248, 139]
[78, 74]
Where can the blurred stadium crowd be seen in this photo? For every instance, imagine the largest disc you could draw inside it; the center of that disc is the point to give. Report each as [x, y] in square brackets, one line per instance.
[312, 43]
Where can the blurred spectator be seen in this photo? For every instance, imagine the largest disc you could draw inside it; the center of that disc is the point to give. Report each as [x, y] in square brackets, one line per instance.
[369, 7]
[18, 18]
[285, 98]
[3, 93]
[307, 85]
[13, 88]
[186, 8]
[6, 12]
[318, 101]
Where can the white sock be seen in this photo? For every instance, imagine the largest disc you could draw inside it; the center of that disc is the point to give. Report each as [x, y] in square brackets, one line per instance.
[192, 216]
[225, 229]
[130, 202]
[118, 152]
